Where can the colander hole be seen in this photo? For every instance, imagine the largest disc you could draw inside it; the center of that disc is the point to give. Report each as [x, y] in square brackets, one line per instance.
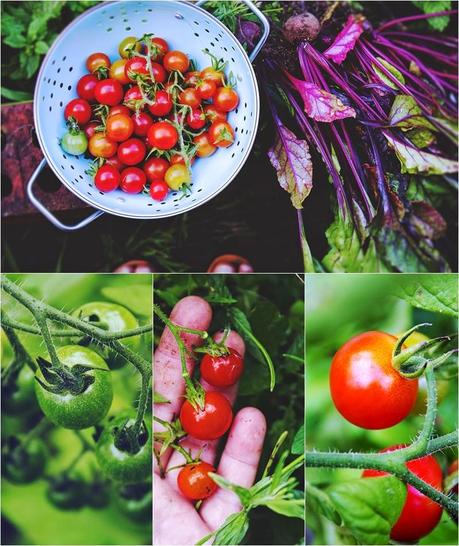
[245, 117]
[54, 82]
[89, 183]
[70, 69]
[76, 180]
[233, 48]
[175, 200]
[64, 58]
[101, 193]
[235, 129]
[109, 29]
[72, 167]
[80, 176]
[111, 17]
[89, 193]
[125, 20]
[225, 48]
[50, 108]
[127, 28]
[49, 80]
[212, 44]
[144, 21]
[64, 156]
[59, 70]
[52, 95]
[216, 39]
[61, 104]
[237, 143]
[207, 30]
[176, 205]
[196, 34]
[200, 189]
[150, 10]
[54, 62]
[149, 204]
[233, 60]
[232, 155]
[69, 87]
[43, 98]
[196, 23]
[62, 167]
[72, 182]
[61, 85]
[236, 111]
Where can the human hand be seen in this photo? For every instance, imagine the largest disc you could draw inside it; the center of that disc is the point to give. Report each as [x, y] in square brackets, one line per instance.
[176, 520]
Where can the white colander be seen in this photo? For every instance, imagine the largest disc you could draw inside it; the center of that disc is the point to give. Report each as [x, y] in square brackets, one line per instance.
[185, 26]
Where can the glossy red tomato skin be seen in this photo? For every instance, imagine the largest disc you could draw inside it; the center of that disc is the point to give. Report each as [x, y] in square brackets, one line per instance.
[204, 147]
[134, 67]
[119, 127]
[208, 423]
[420, 515]
[159, 74]
[224, 370]
[176, 60]
[226, 99]
[86, 86]
[364, 386]
[132, 97]
[214, 114]
[221, 134]
[95, 61]
[162, 135]
[206, 89]
[162, 104]
[159, 48]
[155, 168]
[119, 109]
[192, 78]
[190, 97]
[142, 122]
[115, 162]
[79, 109]
[133, 180]
[107, 178]
[159, 190]
[131, 151]
[196, 119]
[109, 92]
[194, 481]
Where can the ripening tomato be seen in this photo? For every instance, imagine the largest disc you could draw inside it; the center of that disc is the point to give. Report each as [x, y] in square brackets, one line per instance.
[97, 61]
[176, 60]
[162, 104]
[129, 46]
[204, 147]
[134, 67]
[196, 119]
[194, 481]
[206, 89]
[226, 99]
[158, 48]
[190, 97]
[222, 370]
[210, 422]
[115, 162]
[192, 78]
[119, 127]
[90, 129]
[214, 114]
[133, 98]
[420, 515]
[212, 74]
[86, 86]
[119, 109]
[221, 134]
[133, 180]
[176, 176]
[159, 190]
[178, 158]
[117, 71]
[155, 168]
[107, 178]
[366, 389]
[101, 146]
[109, 92]
[142, 122]
[162, 135]
[132, 151]
[79, 110]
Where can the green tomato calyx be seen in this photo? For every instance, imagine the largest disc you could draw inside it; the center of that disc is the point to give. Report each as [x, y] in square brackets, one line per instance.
[126, 438]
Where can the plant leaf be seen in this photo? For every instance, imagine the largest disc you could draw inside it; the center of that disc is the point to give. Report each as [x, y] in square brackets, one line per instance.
[406, 114]
[433, 6]
[292, 161]
[320, 501]
[233, 530]
[390, 68]
[369, 507]
[298, 441]
[416, 161]
[346, 39]
[292, 508]
[320, 104]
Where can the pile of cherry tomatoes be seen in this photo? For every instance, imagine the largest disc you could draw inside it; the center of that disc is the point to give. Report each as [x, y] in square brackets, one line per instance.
[209, 422]
[146, 116]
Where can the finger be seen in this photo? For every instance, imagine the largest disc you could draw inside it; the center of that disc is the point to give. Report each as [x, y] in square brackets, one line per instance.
[238, 464]
[175, 520]
[191, 312]
[208, 448]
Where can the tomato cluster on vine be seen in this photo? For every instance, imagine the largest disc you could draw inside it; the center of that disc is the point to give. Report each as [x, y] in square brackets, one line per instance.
[146, 116]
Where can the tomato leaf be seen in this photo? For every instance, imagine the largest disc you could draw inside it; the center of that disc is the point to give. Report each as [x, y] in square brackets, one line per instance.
[320, 104]
[292, 508]
[320, 501]
[233, 530]
[369, 507]
[346, 39]
[137, 298]
[292, 161]
[436, 293]
[298, 441]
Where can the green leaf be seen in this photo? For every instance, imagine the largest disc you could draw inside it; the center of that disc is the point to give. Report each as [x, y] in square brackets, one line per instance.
[136, 297]
[244, 494]
[385, 79]
[421, 138]
[292, 508]
[436, 293]
[298, 444]
[159, 398]
[14, 95]
[41, 47]
[433, 6]
[233, 530]
[320, 501]
[242, 325]
[406, 114]
[369, 507]
[15, 40]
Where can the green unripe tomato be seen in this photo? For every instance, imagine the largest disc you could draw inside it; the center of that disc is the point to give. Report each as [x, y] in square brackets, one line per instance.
[23, 463]
[116, 461]
[116, 318]
[135, 501]
[74, 143]
[83, 410]
[18, 395]
[66, 493]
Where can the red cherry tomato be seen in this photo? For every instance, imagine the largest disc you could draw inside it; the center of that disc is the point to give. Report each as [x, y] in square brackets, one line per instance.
[210, 422]
[192, 78]
[196, 119]
[221, 134]
[136, 66]
[365, 388]
[119, 109]
[176, 60]
[190, 97]
[162, 104]
[223, 370]
[115, 162]
[101, 146]
[159, 190]
[420, 515]
[214, 114]
[162, 135]
[194, 481]
[226, 99]
[131, 152]
[96, 61]
[155, 168]
[119, 127]
[159, 47]
[177, 159]
[159, 74]
[204, 148]
[107, 178]
[133, 180]
[142, 122]
[133, 98]
[206, 89]
[109, 92]
[212, 74]
[86, 86]
[90, 129]
[78, 109]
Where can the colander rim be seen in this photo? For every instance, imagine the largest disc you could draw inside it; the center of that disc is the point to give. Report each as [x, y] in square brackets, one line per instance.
[115, 211]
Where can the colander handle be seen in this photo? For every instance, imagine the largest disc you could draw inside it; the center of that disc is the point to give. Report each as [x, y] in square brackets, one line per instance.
[263, 20]
[47, 213]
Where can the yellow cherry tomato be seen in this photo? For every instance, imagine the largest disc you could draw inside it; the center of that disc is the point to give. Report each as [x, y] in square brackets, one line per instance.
[117, 71]
[128, 47]
[176, 176]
